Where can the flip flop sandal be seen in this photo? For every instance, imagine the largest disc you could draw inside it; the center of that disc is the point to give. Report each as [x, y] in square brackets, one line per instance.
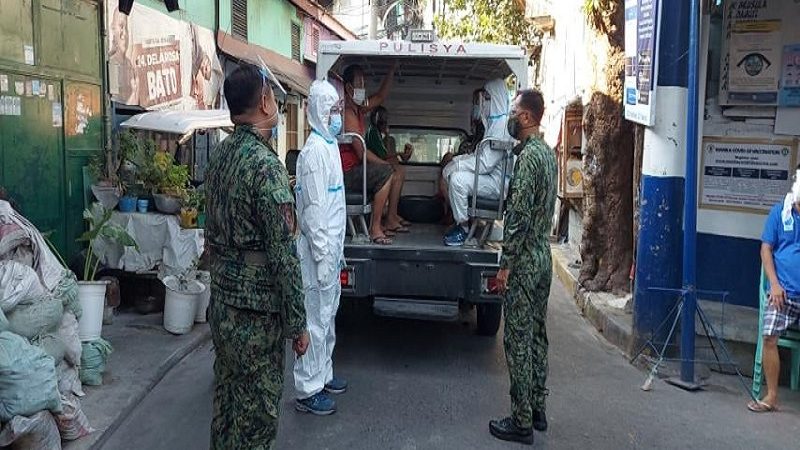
[400, 229]
[761, 407]
[381, 240]
[405, 223]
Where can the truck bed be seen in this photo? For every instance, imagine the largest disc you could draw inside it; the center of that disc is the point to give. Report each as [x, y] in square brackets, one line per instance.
[423, 242]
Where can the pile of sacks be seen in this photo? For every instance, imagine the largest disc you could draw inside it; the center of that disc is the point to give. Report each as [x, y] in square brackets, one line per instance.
[40, 350]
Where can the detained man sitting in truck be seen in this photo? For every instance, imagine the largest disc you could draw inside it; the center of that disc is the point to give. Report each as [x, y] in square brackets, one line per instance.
[460, 172]
[780, 256]
[381, 186]
[382, 144]
[467, 146]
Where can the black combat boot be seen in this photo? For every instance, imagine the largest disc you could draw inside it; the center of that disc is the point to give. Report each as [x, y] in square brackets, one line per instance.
[507, 430]
[539, 421]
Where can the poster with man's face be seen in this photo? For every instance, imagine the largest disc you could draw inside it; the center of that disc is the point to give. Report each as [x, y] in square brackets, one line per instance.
[159, 62]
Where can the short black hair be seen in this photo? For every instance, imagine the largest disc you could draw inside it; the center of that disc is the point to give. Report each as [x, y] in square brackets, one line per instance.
[533, 102]
[349, 74]
[243, 89]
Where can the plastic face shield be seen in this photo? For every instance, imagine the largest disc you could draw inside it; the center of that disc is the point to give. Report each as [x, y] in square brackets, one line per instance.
[268, 77]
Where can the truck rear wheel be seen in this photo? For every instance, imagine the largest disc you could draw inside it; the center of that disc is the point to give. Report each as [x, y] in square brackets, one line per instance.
[489, 318]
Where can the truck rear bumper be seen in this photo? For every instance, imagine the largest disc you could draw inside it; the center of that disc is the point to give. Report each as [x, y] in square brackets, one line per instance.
[428, 279]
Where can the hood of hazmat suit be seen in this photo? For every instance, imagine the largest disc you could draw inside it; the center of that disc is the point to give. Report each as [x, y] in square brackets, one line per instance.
[460, 173]
[321, 212]
[494, 116]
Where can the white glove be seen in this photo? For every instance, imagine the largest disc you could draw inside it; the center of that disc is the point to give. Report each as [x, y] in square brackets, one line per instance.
[325, 271]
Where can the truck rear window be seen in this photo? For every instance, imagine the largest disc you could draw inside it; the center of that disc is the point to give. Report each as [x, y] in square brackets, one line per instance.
[429, 145]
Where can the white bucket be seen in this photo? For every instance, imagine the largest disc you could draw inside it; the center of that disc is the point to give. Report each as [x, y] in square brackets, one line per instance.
[180, 306]
[204, 299]
[92, 297]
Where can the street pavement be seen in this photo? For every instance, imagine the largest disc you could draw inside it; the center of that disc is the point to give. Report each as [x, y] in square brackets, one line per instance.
[425, 385]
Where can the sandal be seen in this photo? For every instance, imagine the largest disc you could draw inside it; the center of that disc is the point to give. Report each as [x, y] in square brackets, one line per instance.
[405, 223]
[381, 240]
[400, 229]
[761, 407]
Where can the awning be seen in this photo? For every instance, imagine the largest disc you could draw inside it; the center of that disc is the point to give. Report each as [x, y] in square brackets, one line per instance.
[180, 122]
[291, 73]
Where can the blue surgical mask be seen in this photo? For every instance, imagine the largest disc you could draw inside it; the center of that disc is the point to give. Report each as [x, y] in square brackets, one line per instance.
[335, 124]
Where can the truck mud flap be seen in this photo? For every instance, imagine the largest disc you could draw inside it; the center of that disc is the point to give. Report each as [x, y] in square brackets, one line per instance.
[416, 309]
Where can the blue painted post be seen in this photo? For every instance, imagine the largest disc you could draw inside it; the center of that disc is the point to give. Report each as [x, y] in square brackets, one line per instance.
[658, 256]
[690, 205]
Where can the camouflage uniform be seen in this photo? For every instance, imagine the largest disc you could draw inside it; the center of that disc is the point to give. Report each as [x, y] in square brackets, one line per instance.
[256, 291]
[526, 253]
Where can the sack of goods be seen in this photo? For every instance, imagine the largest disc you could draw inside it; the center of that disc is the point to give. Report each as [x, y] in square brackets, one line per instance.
[93, 361]
[29, 383]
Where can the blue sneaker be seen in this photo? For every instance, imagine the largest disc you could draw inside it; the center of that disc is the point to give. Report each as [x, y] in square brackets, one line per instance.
[455, 237]
[336, 386]
[318, 404]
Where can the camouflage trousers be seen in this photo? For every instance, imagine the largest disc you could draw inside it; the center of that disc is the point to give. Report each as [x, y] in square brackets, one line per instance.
[525, 342]
[248, 377]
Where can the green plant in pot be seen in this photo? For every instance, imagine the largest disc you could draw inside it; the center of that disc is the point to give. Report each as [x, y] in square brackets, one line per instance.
[194, 208]
[183, 292]
[172, 183]
[137, 173]
[104, 171]
[92, 293]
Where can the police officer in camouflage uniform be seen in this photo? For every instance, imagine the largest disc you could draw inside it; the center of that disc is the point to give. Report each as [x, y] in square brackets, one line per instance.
[526, 270]
[256, 290]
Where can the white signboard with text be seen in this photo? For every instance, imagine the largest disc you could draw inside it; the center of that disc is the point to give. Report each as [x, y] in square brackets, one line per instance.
[745, 175]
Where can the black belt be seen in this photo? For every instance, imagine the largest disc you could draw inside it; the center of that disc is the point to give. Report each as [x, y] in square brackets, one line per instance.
[248, 257]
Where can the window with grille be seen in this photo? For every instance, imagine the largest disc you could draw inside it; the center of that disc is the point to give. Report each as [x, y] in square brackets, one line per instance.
[292, 141]
[314, 40]
[239, 18]
[296, 36]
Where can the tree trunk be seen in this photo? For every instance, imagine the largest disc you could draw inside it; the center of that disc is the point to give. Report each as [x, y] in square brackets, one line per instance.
[607, 244]
[608, 233]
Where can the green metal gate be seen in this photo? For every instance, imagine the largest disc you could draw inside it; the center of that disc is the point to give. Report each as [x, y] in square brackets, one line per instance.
[51, 110]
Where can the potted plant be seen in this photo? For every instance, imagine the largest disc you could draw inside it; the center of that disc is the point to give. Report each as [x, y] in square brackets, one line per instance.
[172, 184]
[194, 204]
[139, 172]
[183, 293]
[92, 293]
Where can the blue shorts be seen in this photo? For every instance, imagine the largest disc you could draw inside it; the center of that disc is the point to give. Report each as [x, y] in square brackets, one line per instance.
[777, 321]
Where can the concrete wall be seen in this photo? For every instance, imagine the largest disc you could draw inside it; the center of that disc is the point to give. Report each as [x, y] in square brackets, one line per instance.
[200, 12]
[269, 23]
[571, 67]
[571, 64]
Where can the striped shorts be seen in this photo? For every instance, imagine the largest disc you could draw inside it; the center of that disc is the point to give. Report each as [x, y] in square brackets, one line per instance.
[777, 321]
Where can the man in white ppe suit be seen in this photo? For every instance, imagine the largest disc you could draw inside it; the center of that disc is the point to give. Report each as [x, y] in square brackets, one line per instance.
[321, 213]
[460, 172]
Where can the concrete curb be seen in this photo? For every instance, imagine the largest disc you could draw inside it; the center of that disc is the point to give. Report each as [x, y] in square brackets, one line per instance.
[164, 368]
[603, 318]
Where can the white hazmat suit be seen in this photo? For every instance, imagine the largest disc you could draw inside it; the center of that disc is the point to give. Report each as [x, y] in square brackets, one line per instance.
[460, 172]
[321, 212]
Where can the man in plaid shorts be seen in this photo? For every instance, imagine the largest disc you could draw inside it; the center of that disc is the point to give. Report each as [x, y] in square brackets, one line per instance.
[780, 255]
